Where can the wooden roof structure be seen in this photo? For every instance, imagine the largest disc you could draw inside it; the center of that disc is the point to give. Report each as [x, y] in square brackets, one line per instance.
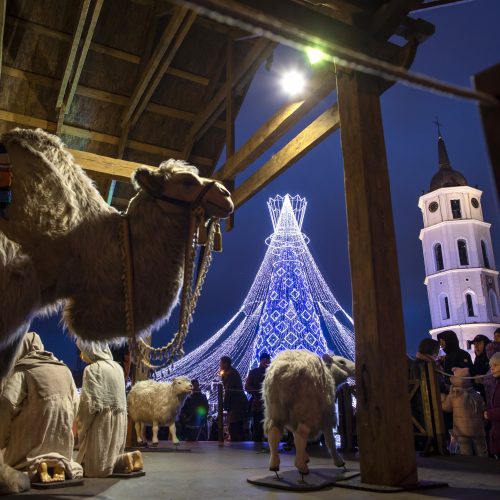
[146, 80]
[138, 81]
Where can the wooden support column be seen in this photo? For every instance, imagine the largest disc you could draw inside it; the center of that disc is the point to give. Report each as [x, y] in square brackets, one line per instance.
[3, 5]
[229, 224]
[385, 437]
[489, 81]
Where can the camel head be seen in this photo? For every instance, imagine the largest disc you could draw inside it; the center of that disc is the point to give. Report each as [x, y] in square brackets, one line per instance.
[176, 182]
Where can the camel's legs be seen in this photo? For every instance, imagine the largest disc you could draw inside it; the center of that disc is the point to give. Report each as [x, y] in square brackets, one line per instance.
[155, 433]
[300, 436]
[330, 443]
[173, 433]
[138, 431]
[273, 436]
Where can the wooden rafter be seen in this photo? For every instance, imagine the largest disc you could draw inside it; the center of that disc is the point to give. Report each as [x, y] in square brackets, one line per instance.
[67, 99]
[267, 135]
[388, 17]
[112, 168]
[306, 140]
[103, 49]
[299, 24]
[241, 75]
[50, 126]
[75, 43]
[102, 95]
[154, 62]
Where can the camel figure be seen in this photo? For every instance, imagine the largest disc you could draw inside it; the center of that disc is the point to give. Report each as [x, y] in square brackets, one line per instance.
[60, 243]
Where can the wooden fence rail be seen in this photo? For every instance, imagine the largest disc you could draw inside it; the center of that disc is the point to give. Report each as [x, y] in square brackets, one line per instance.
[427, 414]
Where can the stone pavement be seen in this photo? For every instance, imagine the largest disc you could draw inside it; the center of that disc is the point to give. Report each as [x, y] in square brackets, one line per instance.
[209, 471]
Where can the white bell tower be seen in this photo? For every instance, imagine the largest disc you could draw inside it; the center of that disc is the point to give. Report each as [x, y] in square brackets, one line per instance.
[461, 276]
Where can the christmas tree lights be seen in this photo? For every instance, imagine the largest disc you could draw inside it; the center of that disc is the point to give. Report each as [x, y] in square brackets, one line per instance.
[288, 306]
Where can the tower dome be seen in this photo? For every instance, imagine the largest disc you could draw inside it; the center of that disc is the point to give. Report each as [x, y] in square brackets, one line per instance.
[446, 176]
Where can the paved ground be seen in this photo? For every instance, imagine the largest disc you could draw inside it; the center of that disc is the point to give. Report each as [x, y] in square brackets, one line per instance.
[212, 472]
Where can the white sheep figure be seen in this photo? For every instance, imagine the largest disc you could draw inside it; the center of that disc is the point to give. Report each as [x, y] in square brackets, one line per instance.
[299, 395]
[157, 403]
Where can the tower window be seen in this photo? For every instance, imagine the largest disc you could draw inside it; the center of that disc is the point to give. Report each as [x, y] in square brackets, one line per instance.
[462, 252]
[484, 250]
[438, 257]
[445, 307]
[470, 305]
[455, 209]
[494, 302]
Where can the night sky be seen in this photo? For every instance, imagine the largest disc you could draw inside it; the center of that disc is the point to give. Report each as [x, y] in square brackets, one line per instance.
[467, 41]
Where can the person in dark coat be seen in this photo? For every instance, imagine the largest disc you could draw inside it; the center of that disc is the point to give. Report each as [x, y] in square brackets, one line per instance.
[194, 413]
[253, 386]
[481, 364]
[492, 413]
[455, 357]
[235, 400]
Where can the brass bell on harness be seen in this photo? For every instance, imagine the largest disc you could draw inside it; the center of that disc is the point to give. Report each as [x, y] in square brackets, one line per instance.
[217, 238]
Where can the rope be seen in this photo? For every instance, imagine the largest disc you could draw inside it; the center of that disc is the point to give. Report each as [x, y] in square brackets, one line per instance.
[456, 376]
[140, 350]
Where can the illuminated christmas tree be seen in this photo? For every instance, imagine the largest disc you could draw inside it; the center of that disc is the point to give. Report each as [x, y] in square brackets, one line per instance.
[288, 306]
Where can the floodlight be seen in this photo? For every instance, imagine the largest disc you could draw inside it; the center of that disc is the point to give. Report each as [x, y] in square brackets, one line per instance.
[293, 82]
[315, 55]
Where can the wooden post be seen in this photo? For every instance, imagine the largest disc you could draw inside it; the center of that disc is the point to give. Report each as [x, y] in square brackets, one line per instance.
[489, 81]
[220, 415]
[385, 435]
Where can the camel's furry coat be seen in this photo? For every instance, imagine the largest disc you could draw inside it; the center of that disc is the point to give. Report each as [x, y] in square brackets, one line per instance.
[60, 245]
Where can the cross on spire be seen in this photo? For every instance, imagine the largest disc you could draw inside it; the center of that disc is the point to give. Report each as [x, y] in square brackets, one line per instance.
[439, 125]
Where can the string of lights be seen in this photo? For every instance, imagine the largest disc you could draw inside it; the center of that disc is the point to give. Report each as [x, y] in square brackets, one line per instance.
[289, 306]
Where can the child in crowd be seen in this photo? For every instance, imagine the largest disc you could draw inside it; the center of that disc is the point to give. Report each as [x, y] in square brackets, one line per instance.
[468, 407]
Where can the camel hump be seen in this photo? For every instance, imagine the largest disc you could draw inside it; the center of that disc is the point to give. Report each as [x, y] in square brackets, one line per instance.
[50, 193]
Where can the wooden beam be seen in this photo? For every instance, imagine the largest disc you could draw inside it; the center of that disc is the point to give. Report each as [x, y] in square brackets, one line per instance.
[489, 81]
[103, 49]
[75, 43]
[230, 114]
[389, 16]
[306, 140]
[162, 69]
[82, 133]
[219, 97]
[385, 437]
[269, 133]
[296, 23]
[3, 4]
[112, 168]
[153, 63]
[83, 54]
[102, 95]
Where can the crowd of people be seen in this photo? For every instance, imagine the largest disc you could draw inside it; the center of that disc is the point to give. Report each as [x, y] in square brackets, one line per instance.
[41, 412]
[470, 391]
[40, 396]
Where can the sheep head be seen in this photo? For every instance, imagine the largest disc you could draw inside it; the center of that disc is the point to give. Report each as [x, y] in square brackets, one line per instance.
[182, 386]
[340, 368]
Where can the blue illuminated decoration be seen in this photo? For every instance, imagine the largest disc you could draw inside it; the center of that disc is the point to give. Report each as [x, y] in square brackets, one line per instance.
[288, 306]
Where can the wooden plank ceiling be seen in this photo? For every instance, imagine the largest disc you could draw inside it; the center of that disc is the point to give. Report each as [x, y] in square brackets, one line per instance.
[141, 81]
